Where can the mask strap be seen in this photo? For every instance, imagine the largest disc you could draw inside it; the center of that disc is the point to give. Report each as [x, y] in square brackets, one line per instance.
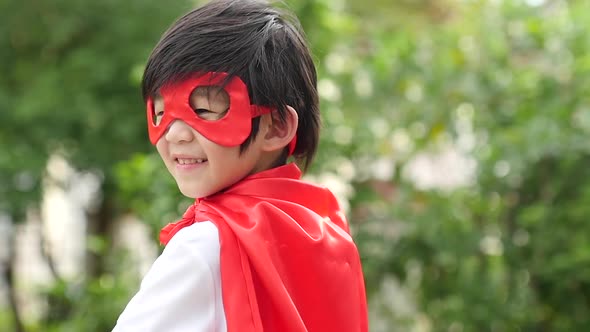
[257, 110]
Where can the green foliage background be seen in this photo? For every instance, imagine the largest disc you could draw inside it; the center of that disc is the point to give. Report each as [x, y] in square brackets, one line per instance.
[505, 82]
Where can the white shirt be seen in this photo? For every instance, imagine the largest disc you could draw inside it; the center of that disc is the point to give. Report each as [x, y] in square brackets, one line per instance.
[182, 290]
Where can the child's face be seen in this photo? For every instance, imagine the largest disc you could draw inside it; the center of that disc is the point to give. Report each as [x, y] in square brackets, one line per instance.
[200, 166]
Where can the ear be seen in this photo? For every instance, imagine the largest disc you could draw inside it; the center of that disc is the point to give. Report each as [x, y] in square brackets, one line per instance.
[278, 134]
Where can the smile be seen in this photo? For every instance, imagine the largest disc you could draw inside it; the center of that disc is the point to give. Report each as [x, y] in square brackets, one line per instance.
[190, 161]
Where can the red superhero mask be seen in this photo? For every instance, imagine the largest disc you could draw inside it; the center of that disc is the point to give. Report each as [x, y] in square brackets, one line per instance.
[232, 129]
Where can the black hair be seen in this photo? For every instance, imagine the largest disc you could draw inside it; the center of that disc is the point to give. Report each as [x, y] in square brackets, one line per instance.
[264, 46]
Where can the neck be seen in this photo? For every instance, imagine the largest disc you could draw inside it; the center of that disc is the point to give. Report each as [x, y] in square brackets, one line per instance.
[270, 160]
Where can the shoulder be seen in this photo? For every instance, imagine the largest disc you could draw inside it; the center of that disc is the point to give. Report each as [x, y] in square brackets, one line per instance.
[182, 289]
[197, 240]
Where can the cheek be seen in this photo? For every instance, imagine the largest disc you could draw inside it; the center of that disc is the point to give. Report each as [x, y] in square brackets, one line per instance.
[162, 149]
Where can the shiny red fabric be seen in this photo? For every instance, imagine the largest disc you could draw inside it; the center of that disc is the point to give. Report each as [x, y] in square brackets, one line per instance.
[237, 120]
[288, 262]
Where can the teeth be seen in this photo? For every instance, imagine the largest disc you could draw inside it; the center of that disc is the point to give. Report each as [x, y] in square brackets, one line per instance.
[191, 161]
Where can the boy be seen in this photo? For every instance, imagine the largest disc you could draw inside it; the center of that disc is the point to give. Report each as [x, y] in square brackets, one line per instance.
[231, 95]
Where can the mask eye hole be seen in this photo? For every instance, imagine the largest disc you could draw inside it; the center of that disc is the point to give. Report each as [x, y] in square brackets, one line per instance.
[209, 102]
[157, 109]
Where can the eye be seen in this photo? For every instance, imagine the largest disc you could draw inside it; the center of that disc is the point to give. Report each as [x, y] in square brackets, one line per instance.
[209, 102]
[157, 110]
[159, 116]
[200, 111]
[209, 115]
[206, 114]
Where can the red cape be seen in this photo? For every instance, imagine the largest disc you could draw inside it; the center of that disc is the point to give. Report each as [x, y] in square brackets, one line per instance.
[288, 262]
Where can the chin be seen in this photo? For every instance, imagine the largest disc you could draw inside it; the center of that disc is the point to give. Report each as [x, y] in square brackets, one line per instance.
[190, 192]
[194, 192]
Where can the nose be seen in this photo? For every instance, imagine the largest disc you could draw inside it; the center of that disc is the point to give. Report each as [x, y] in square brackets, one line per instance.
[178, 132]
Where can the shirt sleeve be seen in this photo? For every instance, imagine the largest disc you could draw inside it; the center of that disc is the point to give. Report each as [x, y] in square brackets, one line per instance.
[181, 291]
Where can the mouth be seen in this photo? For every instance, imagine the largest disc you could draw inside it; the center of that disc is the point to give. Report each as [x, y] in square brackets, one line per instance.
[190, 161]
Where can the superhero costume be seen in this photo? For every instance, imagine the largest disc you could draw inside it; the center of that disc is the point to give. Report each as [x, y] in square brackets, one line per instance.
[288, 262]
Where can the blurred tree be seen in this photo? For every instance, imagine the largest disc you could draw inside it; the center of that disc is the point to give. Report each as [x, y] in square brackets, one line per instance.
[506, 84]
[69, 86]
